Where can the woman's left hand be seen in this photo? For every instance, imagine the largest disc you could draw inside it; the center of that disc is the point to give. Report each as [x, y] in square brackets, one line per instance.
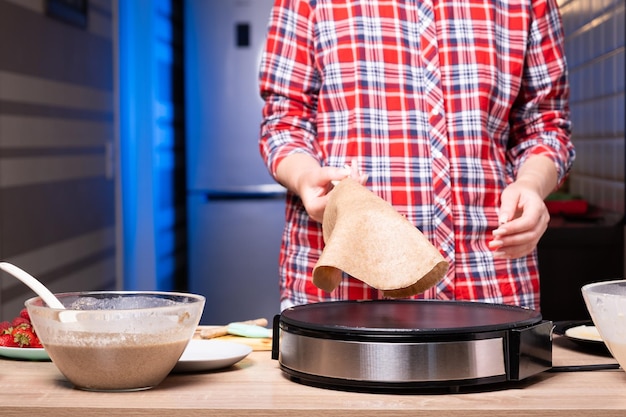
[523, 220]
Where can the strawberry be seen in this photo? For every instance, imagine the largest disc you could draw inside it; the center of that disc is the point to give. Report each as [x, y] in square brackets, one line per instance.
[5, 326]
[34, 342]
[7, 340]
[19, 332]
[25, 337]
[19, 321]
[24, 314]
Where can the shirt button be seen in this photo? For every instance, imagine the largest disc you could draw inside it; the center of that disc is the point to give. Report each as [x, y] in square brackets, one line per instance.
[441, 201]
[437, 153]
[434, 111]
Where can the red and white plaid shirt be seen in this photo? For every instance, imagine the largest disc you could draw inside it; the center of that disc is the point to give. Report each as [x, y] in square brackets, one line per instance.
[440, 102]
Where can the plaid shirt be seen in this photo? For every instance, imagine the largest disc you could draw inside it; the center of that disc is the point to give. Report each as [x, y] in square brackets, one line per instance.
[440, 102]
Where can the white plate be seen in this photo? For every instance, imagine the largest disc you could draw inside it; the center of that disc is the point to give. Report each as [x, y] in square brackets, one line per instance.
[32, 354]
[584, 332]
[208, 355]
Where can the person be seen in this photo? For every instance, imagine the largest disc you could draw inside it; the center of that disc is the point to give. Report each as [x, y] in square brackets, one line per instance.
[455, 112]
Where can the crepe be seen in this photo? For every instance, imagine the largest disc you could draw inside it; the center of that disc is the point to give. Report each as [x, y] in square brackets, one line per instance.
[368, 239]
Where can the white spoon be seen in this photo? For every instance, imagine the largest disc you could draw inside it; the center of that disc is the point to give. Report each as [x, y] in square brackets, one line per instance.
[33, 283]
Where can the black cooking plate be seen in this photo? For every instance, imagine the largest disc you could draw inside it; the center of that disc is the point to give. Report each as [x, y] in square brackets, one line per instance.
[406, 317]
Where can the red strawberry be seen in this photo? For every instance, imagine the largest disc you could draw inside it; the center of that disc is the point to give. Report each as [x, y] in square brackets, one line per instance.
[19, 321]
[25, 337]
[19, 332]
[5, 326]
[34, 341]
[7, 340]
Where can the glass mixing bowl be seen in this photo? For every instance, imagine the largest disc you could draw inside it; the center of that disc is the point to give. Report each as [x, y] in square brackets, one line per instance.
[606, 303]
[116, 340]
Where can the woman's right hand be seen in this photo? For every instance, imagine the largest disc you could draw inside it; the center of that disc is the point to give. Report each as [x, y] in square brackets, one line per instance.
[302, 175]
[314, 186]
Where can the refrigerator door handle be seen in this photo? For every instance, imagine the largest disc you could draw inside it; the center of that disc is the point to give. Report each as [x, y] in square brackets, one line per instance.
[253, 192]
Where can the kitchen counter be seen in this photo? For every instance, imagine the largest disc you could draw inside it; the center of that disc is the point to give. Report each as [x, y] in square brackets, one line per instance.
[256, 387]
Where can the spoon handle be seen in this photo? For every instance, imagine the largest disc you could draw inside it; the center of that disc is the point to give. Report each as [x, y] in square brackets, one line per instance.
[33, 283]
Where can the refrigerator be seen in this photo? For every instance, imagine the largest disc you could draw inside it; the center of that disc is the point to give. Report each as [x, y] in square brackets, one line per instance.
[235, 208]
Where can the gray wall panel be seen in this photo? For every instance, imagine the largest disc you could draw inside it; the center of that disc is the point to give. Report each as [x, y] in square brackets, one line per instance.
[39, 215]
[57, 185]
[44, 47]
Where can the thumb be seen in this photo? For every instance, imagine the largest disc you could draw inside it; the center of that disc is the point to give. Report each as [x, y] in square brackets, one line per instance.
[335, 174]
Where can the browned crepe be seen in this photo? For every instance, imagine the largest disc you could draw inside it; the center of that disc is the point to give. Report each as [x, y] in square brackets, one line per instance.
[368, 239]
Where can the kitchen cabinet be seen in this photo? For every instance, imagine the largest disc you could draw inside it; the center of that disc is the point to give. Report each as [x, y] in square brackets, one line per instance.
[574, 252]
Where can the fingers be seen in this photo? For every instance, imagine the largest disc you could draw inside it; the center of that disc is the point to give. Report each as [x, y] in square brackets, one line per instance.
[523, 218]
[516, 246]
[315, 184]
[356, 174]
[351, 171]
[520, 236]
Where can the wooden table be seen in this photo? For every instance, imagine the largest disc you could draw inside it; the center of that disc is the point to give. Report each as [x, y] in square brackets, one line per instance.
[257, 387]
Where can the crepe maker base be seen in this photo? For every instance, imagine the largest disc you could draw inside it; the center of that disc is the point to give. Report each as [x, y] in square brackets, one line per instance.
[408, 345]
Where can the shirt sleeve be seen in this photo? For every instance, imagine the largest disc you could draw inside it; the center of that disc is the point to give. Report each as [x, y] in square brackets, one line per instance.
[289, 84]
[540, 118]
